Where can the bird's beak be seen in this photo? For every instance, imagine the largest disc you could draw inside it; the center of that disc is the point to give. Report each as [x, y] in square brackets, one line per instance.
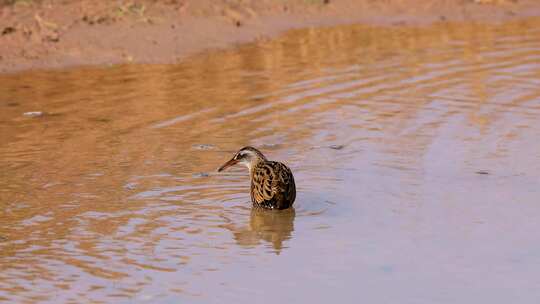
[231, 162]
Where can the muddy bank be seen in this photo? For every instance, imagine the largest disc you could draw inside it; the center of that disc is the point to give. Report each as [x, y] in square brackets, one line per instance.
[56, 34]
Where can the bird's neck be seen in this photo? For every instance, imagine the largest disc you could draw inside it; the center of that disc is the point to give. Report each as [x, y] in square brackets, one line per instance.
[251, 165]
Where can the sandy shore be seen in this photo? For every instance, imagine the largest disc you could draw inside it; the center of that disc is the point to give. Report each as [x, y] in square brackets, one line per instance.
[57, 34]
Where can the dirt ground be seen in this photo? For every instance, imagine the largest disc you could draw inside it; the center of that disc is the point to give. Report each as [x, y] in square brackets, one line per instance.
[63, 33]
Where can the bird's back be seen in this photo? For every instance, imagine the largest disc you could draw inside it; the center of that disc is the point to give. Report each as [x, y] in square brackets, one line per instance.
[272, 185]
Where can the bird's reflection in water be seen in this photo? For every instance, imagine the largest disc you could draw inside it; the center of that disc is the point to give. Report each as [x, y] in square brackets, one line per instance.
[272, 226]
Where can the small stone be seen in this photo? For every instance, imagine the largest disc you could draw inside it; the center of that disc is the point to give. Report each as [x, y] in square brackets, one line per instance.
[53, 37]
[8, 30]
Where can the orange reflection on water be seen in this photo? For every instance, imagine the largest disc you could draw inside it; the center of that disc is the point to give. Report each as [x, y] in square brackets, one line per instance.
[112, 195]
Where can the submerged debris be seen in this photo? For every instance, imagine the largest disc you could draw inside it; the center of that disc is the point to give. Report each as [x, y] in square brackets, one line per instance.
[33, 114]
[203, 147]
[337, 147]
[200, 174]
[130, 186]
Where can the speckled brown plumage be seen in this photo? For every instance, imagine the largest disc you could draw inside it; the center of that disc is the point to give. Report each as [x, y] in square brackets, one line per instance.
[272, 183]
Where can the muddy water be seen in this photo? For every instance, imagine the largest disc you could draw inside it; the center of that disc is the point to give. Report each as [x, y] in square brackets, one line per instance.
[416, 154]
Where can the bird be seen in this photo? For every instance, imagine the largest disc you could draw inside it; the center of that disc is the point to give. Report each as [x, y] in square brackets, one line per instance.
[272, 182]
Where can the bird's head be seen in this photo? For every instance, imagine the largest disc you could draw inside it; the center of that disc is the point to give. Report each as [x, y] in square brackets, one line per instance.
[247, 156]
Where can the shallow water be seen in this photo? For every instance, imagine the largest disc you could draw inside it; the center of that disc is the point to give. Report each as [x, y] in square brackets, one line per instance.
[415, 152]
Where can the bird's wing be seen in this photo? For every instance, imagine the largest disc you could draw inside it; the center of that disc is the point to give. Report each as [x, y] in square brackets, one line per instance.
[273, 184]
